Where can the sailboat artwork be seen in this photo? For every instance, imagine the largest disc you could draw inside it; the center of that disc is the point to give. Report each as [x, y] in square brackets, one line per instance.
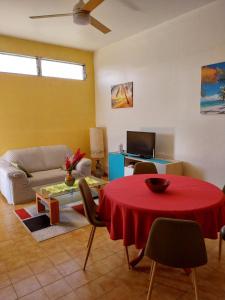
[213, 89]
[122, 95]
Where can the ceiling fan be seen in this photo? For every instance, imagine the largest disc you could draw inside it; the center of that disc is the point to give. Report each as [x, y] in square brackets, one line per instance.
[81, 15]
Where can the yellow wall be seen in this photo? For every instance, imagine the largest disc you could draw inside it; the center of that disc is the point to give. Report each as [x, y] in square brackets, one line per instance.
[38, 111]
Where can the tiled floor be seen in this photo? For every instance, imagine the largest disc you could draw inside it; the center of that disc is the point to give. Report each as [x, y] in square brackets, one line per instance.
[53, 269]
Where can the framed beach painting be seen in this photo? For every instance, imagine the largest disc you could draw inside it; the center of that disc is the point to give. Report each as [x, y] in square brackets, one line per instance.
[122, 95]
[213, 89]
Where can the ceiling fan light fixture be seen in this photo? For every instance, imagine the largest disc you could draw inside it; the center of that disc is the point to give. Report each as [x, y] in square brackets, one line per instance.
[81, 18]
[81, 15]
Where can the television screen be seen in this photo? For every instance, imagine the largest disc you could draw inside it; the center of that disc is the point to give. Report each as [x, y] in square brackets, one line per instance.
[141, 143]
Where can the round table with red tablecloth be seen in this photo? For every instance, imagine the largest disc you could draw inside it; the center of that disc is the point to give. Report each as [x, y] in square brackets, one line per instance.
[129, 207]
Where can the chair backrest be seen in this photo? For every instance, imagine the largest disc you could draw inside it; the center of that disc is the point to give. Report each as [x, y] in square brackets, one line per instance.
[90, 207]
[176, 243]
[224, 189]
[88, 202]
[145, 168]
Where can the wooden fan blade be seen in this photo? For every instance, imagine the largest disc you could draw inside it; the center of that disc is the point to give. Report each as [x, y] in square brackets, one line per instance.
[92, 4]
[51, 16]
[99, 25]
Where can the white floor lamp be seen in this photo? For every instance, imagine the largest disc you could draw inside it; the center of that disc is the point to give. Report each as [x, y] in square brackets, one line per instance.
[97, 149]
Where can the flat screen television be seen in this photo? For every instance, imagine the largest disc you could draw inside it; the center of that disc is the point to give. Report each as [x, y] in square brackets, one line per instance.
[141, 143]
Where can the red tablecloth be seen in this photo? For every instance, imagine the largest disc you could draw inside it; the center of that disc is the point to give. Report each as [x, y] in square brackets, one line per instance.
[129, 207]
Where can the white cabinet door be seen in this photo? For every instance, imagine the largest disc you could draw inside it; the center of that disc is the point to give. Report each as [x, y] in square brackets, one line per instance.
[128, 171]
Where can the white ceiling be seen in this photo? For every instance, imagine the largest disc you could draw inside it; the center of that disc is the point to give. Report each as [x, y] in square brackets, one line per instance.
[123, 17]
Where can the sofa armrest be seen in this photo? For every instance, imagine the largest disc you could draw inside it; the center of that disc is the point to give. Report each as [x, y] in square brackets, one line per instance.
[12, 172]
[11, 181]
[84, 167]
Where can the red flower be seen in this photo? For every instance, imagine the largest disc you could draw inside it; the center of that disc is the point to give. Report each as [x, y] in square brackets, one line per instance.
[68, 163]
[73, 161]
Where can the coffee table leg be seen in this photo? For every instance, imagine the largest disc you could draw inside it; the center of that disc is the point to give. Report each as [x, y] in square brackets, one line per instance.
[54, 212]
[40, 206]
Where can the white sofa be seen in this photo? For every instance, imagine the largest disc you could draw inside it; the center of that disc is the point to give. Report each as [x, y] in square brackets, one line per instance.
[45, 164]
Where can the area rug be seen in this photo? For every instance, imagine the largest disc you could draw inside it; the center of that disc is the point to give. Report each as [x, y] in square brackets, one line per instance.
[38, 224]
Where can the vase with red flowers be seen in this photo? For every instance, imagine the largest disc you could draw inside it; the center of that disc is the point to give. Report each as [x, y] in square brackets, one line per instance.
[71, 163]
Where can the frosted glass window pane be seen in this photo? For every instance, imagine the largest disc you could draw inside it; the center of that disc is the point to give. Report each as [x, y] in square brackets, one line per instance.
[18, 64]
[62, 70]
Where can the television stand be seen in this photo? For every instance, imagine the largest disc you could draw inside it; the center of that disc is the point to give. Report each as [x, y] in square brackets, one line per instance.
[146, 156]
[122, 164]
[141, 156]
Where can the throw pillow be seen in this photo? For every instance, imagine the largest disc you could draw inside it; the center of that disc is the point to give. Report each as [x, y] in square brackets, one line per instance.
[21, 168]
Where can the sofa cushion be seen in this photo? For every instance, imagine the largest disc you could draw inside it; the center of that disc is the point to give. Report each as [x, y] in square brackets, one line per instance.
[37, 159]
[54, 156]
[31, 159]
[46, 177]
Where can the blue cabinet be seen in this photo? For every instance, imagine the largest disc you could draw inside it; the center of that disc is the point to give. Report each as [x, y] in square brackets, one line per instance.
[116, 165]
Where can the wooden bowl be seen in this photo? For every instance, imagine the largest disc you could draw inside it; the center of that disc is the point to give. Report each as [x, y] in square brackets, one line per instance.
[157, 185]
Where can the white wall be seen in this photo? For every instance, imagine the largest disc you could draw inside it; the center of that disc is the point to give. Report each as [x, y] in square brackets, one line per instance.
[164, 64]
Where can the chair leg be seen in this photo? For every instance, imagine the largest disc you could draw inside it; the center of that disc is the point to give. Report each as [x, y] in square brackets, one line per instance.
[194, 278]
[152, 275]
[127, 256]
[220, 246]
[90, 236]
[89, 246]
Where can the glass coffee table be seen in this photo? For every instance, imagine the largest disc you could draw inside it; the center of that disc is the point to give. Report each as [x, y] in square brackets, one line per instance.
[55, 194]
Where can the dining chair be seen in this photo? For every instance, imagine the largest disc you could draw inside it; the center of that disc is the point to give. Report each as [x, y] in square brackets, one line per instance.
[90, 209]
[175, 243]
[145, 168]
[222, 233]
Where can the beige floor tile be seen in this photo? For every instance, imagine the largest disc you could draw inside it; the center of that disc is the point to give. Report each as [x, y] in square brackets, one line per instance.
[161, 292]
[136, 280]
[74, 248]
[68, 267]
[4, 280]
[100, 253]
[50, 247]
[26, 286]
[123, 292]
[80, 278]
[40, 265]
[14, 263]
[48, 276]
[59, 257]
[30, 258]
[202, 296]
[70, 296]
[5, 244]
[19, 274]
[106, 264]
[3, 267]
[85, 293]
[97, 288]
[57, 289]
[7, 293]
[37, 295]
